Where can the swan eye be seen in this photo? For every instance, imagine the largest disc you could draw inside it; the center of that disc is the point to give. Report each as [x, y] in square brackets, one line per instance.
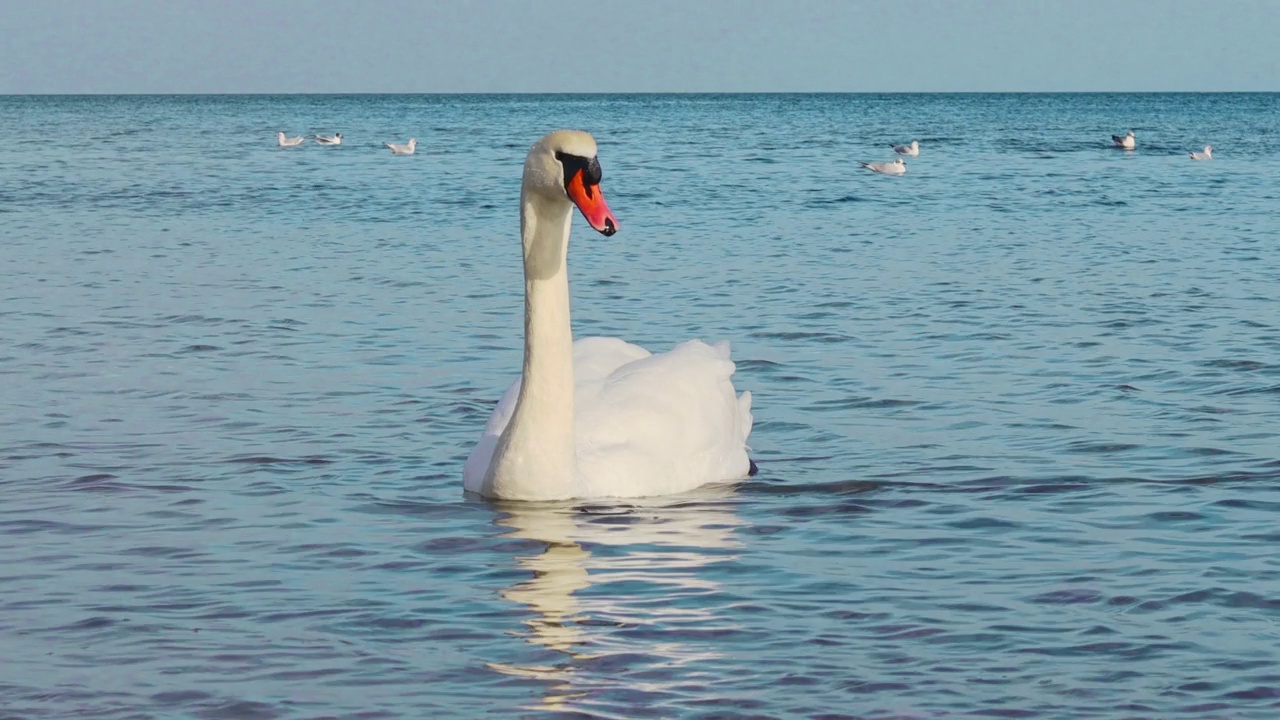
[589, 167]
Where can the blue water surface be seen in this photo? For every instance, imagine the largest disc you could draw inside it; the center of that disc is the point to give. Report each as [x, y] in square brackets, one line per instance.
[1017, 411]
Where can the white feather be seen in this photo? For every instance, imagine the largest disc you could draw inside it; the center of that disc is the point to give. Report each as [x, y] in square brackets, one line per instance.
[644, 424]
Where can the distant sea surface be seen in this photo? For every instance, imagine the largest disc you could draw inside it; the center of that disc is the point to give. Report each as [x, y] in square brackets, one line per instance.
[1017, 411]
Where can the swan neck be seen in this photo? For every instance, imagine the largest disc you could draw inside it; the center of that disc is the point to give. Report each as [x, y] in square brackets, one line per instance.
[548, 334]
[536, 452]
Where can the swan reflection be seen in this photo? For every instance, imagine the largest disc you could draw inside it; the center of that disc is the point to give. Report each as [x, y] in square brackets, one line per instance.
[631, 580]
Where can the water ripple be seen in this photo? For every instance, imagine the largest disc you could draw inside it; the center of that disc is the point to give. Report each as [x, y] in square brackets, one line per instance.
[1017, 430]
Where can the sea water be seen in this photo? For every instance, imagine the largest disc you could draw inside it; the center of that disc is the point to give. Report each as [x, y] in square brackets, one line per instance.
[1017, 412]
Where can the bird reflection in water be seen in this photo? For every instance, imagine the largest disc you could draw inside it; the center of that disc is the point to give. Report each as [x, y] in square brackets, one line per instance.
[620, 579]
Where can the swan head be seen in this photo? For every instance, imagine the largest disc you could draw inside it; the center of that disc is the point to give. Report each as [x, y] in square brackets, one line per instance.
[562, 167]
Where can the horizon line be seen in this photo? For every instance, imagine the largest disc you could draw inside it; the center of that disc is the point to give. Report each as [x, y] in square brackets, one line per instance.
[649, 92]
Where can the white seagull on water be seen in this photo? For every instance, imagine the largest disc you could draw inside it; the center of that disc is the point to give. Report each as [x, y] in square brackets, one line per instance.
[406, 149]
[334, 139]
[1125, 141]
[1206, 154]
[897, 167]
[288, 141]
[912, 150]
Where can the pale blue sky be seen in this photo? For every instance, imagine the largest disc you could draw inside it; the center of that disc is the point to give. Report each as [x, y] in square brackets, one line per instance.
[195, 46]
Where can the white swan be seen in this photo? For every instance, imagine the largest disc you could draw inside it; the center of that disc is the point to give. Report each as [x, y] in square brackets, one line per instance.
[1207, 154]
[599, 417]
[1126, 141]
[912, 150]
[405, 149]
[334, 139]
[288, 141]
[897, 167]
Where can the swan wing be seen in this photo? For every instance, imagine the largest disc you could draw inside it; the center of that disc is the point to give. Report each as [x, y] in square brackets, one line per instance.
[658, 424]
[477, 464]
[596, 358]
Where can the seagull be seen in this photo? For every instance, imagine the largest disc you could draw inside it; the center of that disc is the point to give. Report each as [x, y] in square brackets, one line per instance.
[1207, 154]
[406, 149]
[912, 150]
[897, 167]
[288, 141]
[334, 139]
[1124, 141]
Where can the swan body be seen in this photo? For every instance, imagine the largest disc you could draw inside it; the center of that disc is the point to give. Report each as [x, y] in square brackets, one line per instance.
[896, 167]
[288, 141]
[599, 417]
[334, 139]
[1206, 154]
[912, 150]
[405, 149]
[1126, 141]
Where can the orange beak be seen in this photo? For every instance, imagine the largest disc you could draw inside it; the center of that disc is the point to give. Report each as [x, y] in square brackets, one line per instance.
[590, 200]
